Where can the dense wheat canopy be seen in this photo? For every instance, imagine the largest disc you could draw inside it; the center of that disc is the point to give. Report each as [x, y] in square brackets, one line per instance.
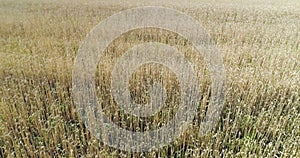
[259, 41]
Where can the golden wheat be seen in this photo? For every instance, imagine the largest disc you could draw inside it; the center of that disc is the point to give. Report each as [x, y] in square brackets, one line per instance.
[260, 45]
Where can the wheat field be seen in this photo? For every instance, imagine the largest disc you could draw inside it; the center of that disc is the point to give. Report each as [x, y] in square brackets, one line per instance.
[259, 41]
